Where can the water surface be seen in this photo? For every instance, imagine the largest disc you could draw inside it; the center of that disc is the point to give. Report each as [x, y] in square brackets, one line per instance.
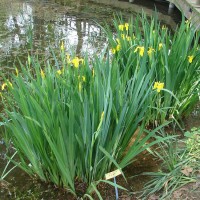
[36, 25]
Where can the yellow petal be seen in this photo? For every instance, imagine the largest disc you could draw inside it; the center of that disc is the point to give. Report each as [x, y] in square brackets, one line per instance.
[59, 72]
[83, 78]
[150, 51]
[118, 47]
[155, 85]
[113, 50]
[190, 59]
[136, 49]
[121, 27]
[42, 73]
[3, 86]
[160, 46]
[128, 38]
[75, 62]
[123, 36]
[141, 51]
[62, 46]
[158, 86]
[17, 72]
[126, 26]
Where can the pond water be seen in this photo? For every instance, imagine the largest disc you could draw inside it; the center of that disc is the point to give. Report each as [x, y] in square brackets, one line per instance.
[34, 25]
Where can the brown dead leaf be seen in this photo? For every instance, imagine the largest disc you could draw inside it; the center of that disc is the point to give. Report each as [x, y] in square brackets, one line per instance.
[153, 197]
[187, 170]
[4, 184]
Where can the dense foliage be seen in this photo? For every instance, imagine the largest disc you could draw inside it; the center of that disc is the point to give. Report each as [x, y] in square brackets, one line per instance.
[71, 119]
[173, 57]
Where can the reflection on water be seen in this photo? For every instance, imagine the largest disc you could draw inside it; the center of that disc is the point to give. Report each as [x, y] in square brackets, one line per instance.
[38, 25]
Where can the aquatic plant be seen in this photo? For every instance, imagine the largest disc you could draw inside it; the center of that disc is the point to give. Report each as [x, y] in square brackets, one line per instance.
[71, 121]
[173, 55]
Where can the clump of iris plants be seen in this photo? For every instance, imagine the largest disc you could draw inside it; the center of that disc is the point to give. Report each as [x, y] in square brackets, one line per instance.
[173, 56]
[71, 121]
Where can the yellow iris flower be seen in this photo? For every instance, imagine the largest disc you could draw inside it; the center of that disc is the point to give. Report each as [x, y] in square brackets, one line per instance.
[128, 38]
[3, 86]
[42, 73]
[123, 36]
[118, 47]
[126, 25]
[75, 62]
[140, 49]
[121, 27]
[158, 86]
[164, 27]
[190, 59]
[150, 51]
[6, 84]
[59, 72]
[160, 46]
